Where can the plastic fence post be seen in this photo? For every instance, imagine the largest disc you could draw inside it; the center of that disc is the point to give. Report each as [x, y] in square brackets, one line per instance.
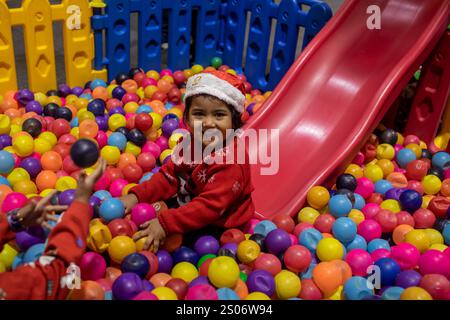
[208, 32]
[8, 79]
[180, 21]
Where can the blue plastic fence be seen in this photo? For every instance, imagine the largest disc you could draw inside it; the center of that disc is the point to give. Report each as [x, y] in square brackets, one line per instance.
[220, 32]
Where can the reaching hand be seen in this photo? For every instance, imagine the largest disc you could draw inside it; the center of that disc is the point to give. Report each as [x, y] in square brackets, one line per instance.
[155, 235]
[86, 182]
[129, 201]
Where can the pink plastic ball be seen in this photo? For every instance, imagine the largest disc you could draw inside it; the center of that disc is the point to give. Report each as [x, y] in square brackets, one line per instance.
[102, 139]
[103, 183]
[380, 253]
[359, 260]
[152, 148]
[415, 185]
[37, 156]
[434, 261]
[130, 97]
[406, 255]
[424, 218]
[13, 201]
[117, 186]
[92, 266]
[149, 82]
[404, 217]
[67, 139]
[387, 220]
[163, 143]
[300, 227]
[364, 187]
[397, 148]
[294, 239]
[201, 292]
[145, 295]
[447, 173]
[142, 213]
[359, 159]
[250, 226]
[369, 229]
[411, 139]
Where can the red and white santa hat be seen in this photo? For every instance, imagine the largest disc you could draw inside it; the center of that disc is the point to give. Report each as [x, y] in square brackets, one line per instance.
[219, 84]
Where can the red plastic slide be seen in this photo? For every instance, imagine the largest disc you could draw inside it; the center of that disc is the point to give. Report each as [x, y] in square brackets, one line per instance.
[337, 92]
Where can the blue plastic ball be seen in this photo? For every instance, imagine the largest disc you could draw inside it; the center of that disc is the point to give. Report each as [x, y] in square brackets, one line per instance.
[4, 181]
[405, 156]
[264, 227]
[308, 273]
[440, 159]
[381, 186]
[136, 263]
[170, 116]
[359, 201]
[344, 229]
[6, 162]
[446, 234]
[144, 109]
[97, 83]
[378, 244]
[389, 269]
[227, 294]
[185, 254]
[357, 243]
[102, 194]
[340, 205]
[74, 122]
[118, 140]
[118, 93]
[410, 200]
[97, 107]
[309, 238]
[111, 209]
[392, 293]
[33, 253]
[357, 288]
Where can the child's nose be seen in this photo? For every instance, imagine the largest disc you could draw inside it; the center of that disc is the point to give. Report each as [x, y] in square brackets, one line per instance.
[209, 122]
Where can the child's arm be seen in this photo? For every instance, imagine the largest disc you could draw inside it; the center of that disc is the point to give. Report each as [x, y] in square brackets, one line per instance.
[161, 186]
[6, 235]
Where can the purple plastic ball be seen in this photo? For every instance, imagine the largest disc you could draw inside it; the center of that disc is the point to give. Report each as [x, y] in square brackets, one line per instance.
[94, 201]
[115, 110]
[169, 126]
[127, 286]
[66, 197]
[147, 285]
[394, 193]
[77, 91]
[199, 280]
[64, 90]
[165, 261]
[24, 96]
[102, 122]
[230, 246]
[206, 245]
[34, 106]
[277, 241]
[30, 237]
[5, 140]
[32, 166]
[261, 281]
[185, 254]
[408, 278]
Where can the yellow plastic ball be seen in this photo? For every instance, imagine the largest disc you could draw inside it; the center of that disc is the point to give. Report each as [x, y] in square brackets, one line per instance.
[248, 251]
[75, 132]
[419, 239]
[416, 149]
[110, 89]
[173, 140]
[355, 170]
[100, 237]
[431, 184]
[166, 153]
[120, 247]
[373, 172]
[386, 165]
[17, 121]
[65, 183]
[81, 103]
[168, 78]
[140, 92]
[23, 145]
[131, 107]
[15, 129]
[17, 175]
[5, 124]
[116, 121]
[434, 236]
[329, 249]
[438, 246]
[287, 285]
[308, 214]
[41, 98]
[71, 99]
[46, 192]
[157, 120]
[140, 244]
[42, 146]
[400, 139]
[318, 197]
[50, 137]
[426, 201]
[231, 71]
[177, 112]
[357, 216]
[7, 255]
[257, 296]
[54, 99]
[153, 74]
[85, 115]
[111, 154]
[149, 91]
[185, 271]
[385, 151]
[223, 272]
[391, 205]
[164, 293]
[197, 68]
[338, 294]
[132, 148]
[415, 293]
[127, 188]
[26, 187]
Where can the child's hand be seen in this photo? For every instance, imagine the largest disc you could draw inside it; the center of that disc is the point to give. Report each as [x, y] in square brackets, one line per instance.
[129, 201]
[39, 213]
[86, 183]
[155, 235]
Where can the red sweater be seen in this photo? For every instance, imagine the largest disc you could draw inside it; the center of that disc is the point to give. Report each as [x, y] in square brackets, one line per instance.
[218, 194]
[66, 244]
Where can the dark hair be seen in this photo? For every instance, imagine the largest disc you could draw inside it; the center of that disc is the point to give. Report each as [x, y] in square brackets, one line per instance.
[236, 120]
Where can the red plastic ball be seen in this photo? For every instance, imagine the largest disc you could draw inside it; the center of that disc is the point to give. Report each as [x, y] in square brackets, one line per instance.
[132, 173]
[297, 258]
[179, 286]
[309, 290]
[424, 218]
[439, 205]
[387, 220]
[417, 170]
[120, 227]
[143, 121]
[268, 262]
[60, 127]
[159, 95]
[300, 227]
[324, 222]
[174, 95]
[62, 149]
[404, 217]
[375, 198]
[179, 77]
[233, 236]
[146, 161]
[114, 173]
[285, 222]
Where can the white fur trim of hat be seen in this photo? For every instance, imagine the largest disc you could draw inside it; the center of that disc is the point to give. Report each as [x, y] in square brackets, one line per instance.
[205, 83]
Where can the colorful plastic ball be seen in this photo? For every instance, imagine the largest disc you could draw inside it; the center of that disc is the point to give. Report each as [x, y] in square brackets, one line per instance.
[297, 258]
[285, 222]
[185, 271]
[201, 292]
[165, 261]
[381, 186]
[142, 213]
[261, 281]
[206, 245]
[339, 205]
[287, 285]
[410, 200]
[127, 286]
[264, 227]
[434, 262]
[406, 255]
[6, 162]
[248, 251]
[32, 126]
[111, 154]
[359, 261]
[111, 209]
[309, 238]
[318, 197]
[378, 244]
[405, 156]
[419, 239]
[92, 266]
[23, 145]
[329, 249]
[389, 270]
[344, 229]
[52, 161]
[136, 263]
[324, 222]
[431, 184]
[185, 254]
[357, 243]
[440, 159]
[16, 175]
[373, 172]
[268, 262]
[120, 247]
[424, 218]
[223, 272]
[357, 288]
[277, 241]
[65, 182]
[84, 153]
[60, 127]
[408, 278]
[227, 294]
[13, 201]
[415, 293]
[31, 165]
[369, 229]
[392, 293]
[137, 137]
[365, 187]
[308, 214]
[436, 285]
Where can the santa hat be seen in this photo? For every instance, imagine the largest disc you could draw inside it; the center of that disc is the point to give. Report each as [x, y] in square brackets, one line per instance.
[219, 84]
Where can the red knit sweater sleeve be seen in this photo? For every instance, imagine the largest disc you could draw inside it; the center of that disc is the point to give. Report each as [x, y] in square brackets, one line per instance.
[220, 191]
[6, 235]
[162, 185]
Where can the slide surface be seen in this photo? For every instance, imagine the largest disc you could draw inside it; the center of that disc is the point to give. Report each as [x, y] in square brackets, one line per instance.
[337, 92]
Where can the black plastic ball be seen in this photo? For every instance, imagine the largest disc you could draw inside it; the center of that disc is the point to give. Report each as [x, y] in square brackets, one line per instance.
[349, 194]
[137, 137]
[259, 239]
[388, 136]
[134, 71]
[426, 154]
[84, 153]
[123, 130]
[120, 78]
[32, 126]
[64, 113]
[346, 181]
[51, 110]
[438, 172]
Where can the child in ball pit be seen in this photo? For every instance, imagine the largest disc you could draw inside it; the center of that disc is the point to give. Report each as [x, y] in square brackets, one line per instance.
[211, 197]
[41, 280]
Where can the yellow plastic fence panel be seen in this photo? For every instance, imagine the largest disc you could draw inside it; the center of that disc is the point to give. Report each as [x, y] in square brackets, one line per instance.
[8, 80]
[79, 43]
[39, 50]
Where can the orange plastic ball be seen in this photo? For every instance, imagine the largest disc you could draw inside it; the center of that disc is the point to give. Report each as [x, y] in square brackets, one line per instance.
[46, 179]
[52, 161]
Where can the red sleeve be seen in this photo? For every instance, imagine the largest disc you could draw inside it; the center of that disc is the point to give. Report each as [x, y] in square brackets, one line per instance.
[6, 235]
[161, 186]
[218, 194]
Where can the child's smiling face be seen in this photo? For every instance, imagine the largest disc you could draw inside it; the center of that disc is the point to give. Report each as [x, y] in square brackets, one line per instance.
[212, 114]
